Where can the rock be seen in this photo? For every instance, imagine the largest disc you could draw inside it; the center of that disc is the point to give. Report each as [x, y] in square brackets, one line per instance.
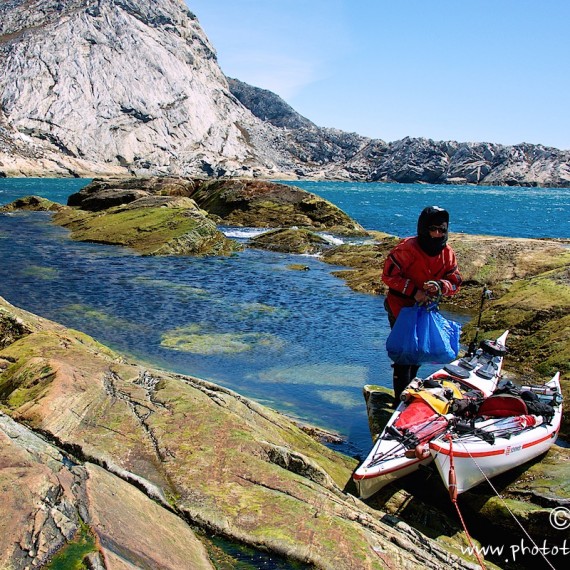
[181, 102]
[267, 204]
[290, 241]
[379, 408]
[130, 526]
[298, 267]
[243, 202]
[211, 457]
[33, 203]
[107, 198]
[55, 497]
[268, 106]
[152, 216]
[104, 193]
[111, 211]
[152, 226]
[12, 328]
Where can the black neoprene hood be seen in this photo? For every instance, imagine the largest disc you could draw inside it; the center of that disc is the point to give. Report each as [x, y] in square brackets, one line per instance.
[432, 216]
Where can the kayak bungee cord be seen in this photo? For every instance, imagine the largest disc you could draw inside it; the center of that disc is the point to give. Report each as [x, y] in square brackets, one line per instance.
[409, 438]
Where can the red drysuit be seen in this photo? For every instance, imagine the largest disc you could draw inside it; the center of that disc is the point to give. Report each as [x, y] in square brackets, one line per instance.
[408, 267]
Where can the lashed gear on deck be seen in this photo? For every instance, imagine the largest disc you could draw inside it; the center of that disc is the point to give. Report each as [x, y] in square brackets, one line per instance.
[438, 395]
[417, 424]
[532, 402]
[468, 406]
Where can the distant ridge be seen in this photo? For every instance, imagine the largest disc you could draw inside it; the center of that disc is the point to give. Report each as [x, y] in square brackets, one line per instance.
[134, 87]
[268, 106]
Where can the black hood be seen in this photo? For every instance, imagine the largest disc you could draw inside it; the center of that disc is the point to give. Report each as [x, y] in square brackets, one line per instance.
[432, 216]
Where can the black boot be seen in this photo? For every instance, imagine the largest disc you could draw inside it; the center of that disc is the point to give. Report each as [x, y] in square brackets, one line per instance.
[400, 380]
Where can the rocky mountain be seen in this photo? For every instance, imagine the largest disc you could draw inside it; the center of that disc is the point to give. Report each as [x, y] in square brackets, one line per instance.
[334, 154]
[132, 87]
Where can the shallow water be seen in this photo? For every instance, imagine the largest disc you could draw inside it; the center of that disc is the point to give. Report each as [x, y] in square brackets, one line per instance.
[300, 341]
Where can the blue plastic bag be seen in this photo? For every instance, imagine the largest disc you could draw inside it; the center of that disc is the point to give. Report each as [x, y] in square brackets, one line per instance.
[421, 334]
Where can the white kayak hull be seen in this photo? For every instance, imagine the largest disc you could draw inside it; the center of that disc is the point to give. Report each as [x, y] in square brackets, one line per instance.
[371, 481]
[387, 461]
[476, 460]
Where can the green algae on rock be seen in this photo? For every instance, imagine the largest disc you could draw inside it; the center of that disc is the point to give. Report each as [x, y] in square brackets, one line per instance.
[176, 230]
[96, 315]
[33, 203]
[38, 272]
[191, 339]
[183, 290]
[239, 202]
[342, 398]
[258, 203]
[290, 240]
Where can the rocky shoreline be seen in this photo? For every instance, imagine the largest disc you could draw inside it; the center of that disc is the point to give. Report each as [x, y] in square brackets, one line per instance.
[89, 438]
[93, 439]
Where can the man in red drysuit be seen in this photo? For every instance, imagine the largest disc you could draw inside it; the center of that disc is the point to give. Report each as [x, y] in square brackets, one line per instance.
[416, 271]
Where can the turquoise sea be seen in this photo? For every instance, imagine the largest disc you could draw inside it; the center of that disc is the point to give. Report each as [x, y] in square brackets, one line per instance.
[299, 341]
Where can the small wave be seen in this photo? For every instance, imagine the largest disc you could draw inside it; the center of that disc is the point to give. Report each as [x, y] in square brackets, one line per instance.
[243, 233]
[331, 239]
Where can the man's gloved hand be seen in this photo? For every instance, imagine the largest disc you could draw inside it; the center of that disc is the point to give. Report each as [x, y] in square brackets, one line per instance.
[432, 288]
[431, 291]
[421, 297]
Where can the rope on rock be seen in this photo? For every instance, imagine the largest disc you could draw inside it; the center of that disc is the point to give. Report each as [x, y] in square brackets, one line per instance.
[453, 495]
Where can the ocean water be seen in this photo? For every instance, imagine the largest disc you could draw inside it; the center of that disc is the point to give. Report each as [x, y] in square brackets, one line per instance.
[490, 210]
[299, 341]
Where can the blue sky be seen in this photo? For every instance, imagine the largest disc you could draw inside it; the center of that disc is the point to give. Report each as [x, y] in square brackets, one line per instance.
[465, 70]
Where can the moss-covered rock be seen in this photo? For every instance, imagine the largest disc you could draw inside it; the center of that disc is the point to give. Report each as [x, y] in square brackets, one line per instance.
[257, 203]
[176, 227]
[235, 202]
[32, 203]
[483, 260]
[290, 240]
